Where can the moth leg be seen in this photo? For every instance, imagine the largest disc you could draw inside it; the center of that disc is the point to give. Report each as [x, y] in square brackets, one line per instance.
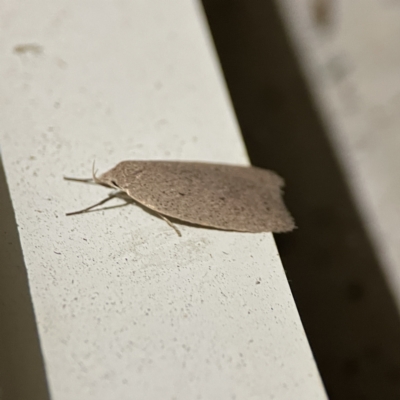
[110, 196]
[169, 223]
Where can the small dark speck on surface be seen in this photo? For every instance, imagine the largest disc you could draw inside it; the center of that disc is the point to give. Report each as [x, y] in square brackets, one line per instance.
[31, 48]
[56, 252]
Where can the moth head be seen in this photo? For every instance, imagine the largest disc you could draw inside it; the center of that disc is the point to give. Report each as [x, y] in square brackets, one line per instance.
[121, 176]
[107, 179]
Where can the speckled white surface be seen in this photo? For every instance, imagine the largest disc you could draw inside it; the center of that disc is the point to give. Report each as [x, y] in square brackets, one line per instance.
[125, 308]
[353, 66]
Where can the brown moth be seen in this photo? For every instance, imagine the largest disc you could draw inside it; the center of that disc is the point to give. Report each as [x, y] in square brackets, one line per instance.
[220, 196]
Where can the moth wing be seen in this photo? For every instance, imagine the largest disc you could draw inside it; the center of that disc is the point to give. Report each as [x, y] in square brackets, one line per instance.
[225, 197]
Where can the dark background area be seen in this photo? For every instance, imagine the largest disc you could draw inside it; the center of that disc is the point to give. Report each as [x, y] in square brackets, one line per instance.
[22, 370]
[343, 299]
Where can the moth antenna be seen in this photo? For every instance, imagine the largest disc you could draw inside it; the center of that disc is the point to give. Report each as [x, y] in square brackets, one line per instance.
[87, 180]
[95, 178]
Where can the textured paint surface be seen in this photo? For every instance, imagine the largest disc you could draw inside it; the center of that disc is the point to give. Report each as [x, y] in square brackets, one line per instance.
[228, 197]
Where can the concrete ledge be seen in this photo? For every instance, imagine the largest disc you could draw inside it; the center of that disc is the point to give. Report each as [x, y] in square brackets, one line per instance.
[126, 309]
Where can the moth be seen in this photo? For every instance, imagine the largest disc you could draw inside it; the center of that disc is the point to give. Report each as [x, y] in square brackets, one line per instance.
[219, 196]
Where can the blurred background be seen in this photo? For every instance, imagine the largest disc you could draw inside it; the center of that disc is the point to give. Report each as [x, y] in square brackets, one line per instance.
[316, 89]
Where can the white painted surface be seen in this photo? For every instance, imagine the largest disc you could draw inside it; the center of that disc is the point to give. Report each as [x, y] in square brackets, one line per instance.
[353, 65]
[125, 308]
